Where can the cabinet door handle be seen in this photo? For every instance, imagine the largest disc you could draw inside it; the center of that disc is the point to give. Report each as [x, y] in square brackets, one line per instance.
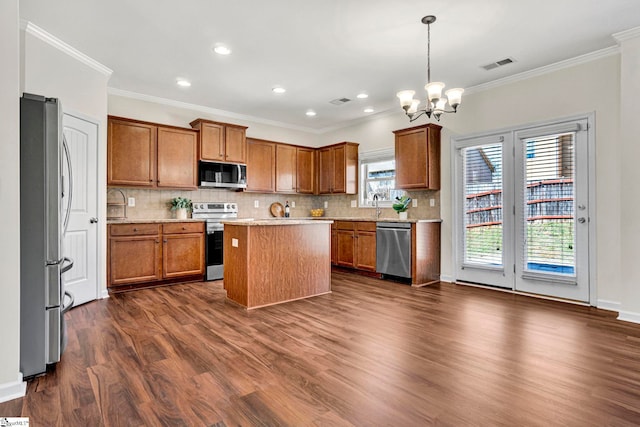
[157, 241]
[135, 229]
[165, 240]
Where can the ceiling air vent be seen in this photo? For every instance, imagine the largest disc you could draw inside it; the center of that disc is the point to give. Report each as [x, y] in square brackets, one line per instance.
[497, 64]
[339, 101]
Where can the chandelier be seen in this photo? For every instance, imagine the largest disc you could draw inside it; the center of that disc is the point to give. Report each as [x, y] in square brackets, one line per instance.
[436, 103]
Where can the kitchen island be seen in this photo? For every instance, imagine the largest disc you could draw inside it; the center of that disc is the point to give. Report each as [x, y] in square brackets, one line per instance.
[272, 261]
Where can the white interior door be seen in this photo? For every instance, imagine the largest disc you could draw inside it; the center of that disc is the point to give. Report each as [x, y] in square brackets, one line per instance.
[81, 238]
[521, 208]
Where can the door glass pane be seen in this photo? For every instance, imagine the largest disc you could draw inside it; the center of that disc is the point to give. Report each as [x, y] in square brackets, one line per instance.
[483, 240]
[549, 204]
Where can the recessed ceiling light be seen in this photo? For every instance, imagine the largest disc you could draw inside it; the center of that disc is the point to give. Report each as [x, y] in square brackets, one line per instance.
[221, 49]
[362, 95]
[310, 113]
[279, 89]
[368, 110]
[183, 82]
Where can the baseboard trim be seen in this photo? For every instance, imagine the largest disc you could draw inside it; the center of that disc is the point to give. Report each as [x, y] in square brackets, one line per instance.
[629, 316]
[609, 305]
[448, 279]
[13, 390]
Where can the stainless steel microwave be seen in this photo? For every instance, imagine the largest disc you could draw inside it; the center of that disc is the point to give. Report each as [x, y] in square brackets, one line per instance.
[222, 175]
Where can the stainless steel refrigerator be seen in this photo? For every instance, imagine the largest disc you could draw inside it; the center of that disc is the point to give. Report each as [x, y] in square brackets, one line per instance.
[45, 202]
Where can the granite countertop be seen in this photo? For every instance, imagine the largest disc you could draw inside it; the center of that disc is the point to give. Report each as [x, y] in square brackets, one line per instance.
[150, 221]
[275, 221]
[370, 219]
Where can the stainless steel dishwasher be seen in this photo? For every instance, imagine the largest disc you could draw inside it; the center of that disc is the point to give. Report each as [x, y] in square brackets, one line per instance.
[393, 248]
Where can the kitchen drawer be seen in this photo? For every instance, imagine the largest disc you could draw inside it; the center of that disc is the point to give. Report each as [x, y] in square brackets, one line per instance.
[366, 226]
[345, 225]
[183, 227]
[134, 229]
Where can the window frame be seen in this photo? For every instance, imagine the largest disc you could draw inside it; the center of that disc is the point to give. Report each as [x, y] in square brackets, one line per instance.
[383, 155]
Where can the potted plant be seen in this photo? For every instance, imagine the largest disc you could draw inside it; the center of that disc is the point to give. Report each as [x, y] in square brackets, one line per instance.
[181, 205]
[401, 205]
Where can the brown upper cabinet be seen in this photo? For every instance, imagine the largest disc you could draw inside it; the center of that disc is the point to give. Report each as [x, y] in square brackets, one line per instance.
[282, 168]
[221, 142]
[261, 165]
[305, 170]
[418, 157]
[142, 154]
[286, 167]
[338, 169]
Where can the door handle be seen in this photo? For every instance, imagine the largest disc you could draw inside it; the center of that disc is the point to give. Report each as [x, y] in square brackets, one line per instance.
[581, 220]
[93, 220]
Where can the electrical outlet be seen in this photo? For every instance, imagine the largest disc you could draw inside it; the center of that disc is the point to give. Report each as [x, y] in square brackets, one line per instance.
[414, 203]
[234, 243]
[131, 202]
[354, 203]
[326, 205]
[293, 204]
[256, 203]
[432, 202]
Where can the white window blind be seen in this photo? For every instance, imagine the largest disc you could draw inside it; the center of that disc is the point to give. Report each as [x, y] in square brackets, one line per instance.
[548, 191]
[483, 211]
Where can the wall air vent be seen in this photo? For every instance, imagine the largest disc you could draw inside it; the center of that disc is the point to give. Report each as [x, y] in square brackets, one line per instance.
[339, 101]
[497, 64]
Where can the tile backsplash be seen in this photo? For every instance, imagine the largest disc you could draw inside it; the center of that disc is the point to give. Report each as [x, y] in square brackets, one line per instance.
[155, 204]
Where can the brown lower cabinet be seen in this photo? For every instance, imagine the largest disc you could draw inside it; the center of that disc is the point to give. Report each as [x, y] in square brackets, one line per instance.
[152, 253]
[355, 244]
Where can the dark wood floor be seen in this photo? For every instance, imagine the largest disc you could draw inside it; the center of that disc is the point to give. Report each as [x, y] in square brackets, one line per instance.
[371, 353]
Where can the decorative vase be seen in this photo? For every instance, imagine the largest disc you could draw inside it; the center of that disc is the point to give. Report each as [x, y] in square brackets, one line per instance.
[402, 215]
[181, 213]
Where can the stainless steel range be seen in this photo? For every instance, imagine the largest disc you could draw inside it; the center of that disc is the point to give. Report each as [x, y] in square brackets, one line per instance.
[213, 213]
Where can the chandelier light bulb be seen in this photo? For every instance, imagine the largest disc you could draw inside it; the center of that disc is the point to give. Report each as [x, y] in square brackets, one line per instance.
[406, 97]
[434, 91]
[455, 97]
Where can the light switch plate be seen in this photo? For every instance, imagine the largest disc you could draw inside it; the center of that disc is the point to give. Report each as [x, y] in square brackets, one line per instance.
[131, 202]
[256, 203]
[414, 203]
[293, 204]
[326, 205]
[234, 243]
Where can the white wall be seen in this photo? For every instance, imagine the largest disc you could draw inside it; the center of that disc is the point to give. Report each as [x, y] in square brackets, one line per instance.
[53, 69]
[11, 385]
[592, 86]
[630, 155]
[160, 112]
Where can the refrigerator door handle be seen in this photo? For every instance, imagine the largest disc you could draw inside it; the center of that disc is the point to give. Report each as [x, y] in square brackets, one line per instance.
[66, 267]
[66, 308]
[68, 159]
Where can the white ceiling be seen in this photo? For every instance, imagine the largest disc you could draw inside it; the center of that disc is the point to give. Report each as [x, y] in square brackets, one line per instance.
[324, 49]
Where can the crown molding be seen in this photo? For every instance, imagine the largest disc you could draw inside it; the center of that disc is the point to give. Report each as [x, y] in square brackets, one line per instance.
[207, 110]
[625, 35]
[55, 42]
[567, 63]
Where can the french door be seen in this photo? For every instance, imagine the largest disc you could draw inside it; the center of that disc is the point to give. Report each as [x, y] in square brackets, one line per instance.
[522, 209]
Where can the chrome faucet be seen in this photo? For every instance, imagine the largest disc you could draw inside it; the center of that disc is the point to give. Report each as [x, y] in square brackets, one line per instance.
[375, 200]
